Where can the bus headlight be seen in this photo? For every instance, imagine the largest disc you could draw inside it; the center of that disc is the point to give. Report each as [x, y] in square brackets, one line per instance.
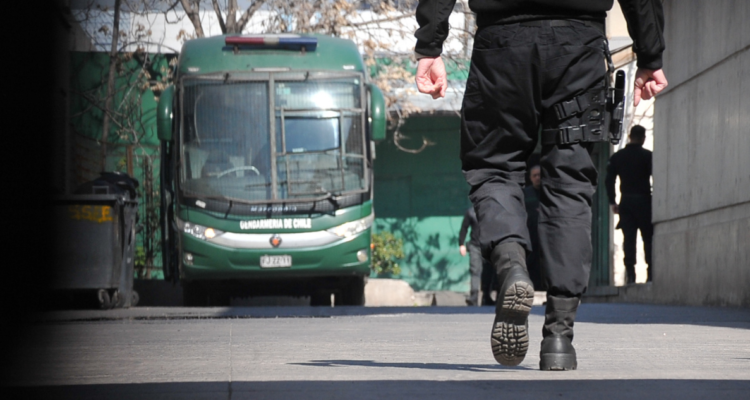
[199, 231]
[354, 227]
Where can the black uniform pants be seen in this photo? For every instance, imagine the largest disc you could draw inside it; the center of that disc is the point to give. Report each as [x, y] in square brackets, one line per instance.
[475, 267]
[481, 271]
[635, 215]
[518, 72]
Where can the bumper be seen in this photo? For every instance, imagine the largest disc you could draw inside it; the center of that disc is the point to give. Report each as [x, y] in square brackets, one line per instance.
[215, 262]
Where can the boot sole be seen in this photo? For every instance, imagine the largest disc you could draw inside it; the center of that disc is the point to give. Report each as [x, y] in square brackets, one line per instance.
[558, 362]
[510, 331]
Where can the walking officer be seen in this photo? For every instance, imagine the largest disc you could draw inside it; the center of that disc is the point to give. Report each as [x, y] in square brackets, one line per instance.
[537, 64]
[633, 164]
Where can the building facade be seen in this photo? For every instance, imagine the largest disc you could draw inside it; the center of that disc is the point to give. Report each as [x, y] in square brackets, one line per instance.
[701, 201]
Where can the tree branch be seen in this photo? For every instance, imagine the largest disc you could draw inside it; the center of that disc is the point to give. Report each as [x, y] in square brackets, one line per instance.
[171, 8]
[232, 16]
[174, 4]
[217, 9]
[248, 14]
[194, 16]
[377, 21]
[110, 84]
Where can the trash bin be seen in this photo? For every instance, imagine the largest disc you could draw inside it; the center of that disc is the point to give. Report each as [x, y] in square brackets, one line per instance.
[95, 240]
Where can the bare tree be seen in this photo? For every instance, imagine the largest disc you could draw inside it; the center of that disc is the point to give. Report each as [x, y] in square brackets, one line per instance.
[192, 10]
[227, 16]
[110, 83]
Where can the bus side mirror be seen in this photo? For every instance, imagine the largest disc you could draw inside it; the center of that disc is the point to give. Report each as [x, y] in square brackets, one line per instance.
[377, 112]
[164, 114]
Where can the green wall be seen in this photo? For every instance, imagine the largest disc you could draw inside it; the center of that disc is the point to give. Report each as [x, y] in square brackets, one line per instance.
[132, 134]
[422, 198]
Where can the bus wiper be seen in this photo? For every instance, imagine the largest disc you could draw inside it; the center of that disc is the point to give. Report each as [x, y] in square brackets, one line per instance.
[251, 185]
[333, 198]
[229, 209]
[202, 198]
[215, 197]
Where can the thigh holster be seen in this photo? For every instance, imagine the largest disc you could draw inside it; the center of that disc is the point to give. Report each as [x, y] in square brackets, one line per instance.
[583, 118]
[593, 116]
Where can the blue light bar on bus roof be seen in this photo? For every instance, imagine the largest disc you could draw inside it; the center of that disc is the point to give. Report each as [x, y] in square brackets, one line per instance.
[284, 42]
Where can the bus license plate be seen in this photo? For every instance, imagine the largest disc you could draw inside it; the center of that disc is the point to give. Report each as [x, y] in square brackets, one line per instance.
[275, 261]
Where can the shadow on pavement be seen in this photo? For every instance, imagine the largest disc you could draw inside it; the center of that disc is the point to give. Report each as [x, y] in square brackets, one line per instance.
[405, 389]
[656, 314]
[433, 366]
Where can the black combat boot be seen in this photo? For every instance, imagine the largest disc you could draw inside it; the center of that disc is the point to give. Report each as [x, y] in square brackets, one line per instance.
[629, 274]
[473, 299]
[510, 331]
[557, 352]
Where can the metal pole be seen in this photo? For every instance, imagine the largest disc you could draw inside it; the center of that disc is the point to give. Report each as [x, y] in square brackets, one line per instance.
[272, 141]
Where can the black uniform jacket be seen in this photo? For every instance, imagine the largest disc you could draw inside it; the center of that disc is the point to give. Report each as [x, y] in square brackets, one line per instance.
[633, 164]
[645, 20]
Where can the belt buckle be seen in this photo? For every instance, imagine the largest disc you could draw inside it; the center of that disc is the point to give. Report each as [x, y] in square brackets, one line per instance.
[575, 132]
[563, 136]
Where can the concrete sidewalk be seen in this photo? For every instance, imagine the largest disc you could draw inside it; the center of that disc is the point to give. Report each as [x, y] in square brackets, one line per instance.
[624, 351]
[378, 293]
[390, 293]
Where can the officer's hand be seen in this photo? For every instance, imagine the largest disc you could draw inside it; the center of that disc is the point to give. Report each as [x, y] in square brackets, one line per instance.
[462, 250]
[648, 83]
[615, 208]
[431, 77]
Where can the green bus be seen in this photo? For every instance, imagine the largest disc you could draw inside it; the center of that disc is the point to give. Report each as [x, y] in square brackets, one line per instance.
[266, 173]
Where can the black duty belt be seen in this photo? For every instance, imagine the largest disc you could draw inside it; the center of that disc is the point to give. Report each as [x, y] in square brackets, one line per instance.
[566, 22]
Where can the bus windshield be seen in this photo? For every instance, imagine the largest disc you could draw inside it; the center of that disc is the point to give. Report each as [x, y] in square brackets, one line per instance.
[264, 140]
